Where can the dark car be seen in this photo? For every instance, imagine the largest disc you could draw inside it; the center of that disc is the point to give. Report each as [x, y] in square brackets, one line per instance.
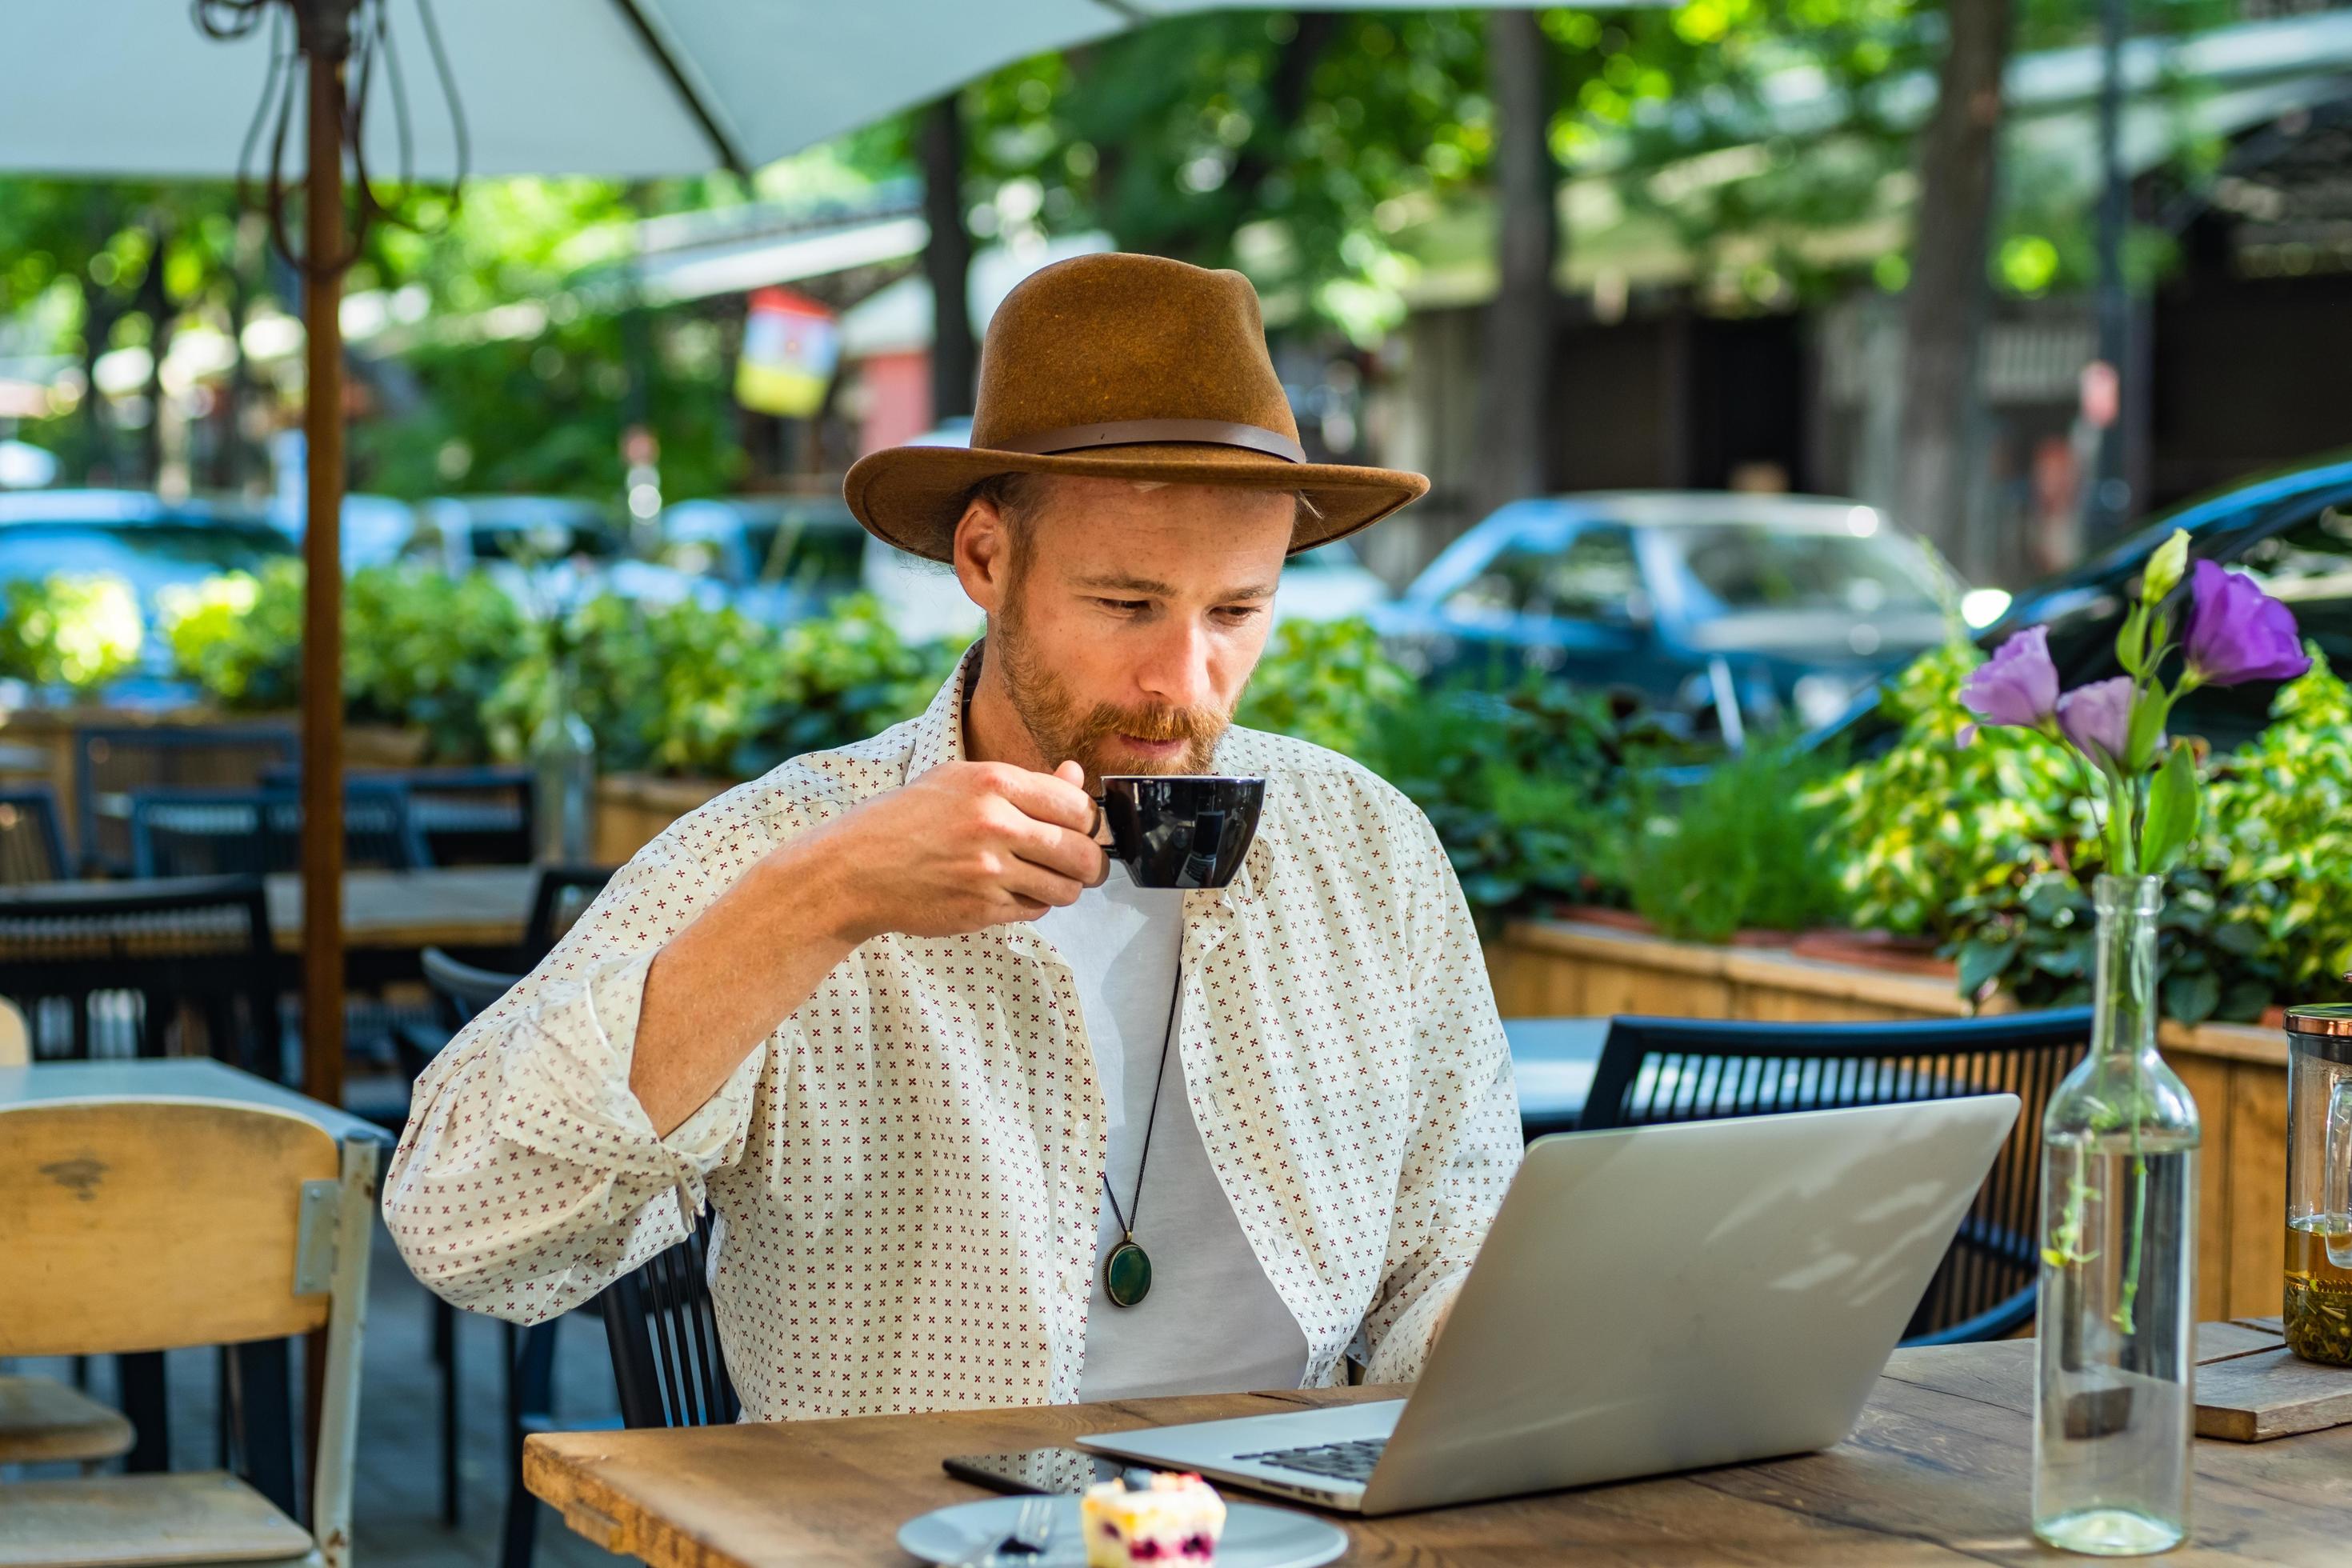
[2291, 531]
[1735, 609]
[152, 544]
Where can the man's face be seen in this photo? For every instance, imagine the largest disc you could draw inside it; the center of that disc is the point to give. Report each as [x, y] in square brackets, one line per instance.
[1128, 620]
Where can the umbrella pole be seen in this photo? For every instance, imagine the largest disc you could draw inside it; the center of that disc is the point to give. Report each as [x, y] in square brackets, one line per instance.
[327, 43]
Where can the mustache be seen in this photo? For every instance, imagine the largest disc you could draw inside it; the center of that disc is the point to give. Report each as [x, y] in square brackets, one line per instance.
[1197, 725]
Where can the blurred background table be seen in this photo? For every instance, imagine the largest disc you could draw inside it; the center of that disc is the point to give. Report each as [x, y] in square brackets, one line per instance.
[455, 907]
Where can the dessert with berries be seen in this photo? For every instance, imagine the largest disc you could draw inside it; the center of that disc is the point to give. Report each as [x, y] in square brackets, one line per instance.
[1173, 1522]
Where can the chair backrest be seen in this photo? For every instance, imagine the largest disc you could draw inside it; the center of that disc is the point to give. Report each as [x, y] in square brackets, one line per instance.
[560, 895]
[151, 1225]
[114, 969]
[259, 832]
[664, 1336]
[112, 761]
[1692, 1069]
[32, 846]
[463, 816]
[460, 989]
[15, 1036]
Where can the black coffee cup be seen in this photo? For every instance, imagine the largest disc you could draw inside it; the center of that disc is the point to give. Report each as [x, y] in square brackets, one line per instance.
[1180, 830]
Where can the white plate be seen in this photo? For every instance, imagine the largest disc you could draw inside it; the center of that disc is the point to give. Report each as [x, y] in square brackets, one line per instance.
[1255, 1536]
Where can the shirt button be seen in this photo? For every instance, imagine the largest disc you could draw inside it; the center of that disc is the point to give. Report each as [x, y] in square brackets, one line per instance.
[1074, 1280]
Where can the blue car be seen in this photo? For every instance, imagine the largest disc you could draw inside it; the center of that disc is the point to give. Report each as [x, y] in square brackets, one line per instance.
[1730, 610]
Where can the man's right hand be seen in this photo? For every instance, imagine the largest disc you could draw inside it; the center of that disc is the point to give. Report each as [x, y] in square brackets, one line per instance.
[964, 847]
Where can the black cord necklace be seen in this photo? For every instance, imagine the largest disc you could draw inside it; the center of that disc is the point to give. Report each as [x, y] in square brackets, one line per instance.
[1126, 1272]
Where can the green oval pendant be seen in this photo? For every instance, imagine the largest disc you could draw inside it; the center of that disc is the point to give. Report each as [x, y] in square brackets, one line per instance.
[1127, 1274]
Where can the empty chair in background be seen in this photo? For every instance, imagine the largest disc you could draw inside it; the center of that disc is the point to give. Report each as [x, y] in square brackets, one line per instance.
[113, 761]
[259, 832]
[1692, 1069]
[32, 843]
[103, 969]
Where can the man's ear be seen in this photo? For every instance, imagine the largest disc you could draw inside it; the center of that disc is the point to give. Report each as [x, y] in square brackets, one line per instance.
[984, 546]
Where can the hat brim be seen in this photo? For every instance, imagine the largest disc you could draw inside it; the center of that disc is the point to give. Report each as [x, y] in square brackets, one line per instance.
[913, 497]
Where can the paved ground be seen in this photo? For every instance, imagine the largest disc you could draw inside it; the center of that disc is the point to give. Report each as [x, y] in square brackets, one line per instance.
[396, 1494]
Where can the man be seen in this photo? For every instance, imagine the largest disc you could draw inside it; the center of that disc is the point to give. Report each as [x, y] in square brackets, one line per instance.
[932, 1059]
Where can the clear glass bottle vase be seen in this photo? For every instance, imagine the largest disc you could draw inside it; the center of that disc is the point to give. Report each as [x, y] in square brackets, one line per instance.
[564, 779]
[2114, 1400]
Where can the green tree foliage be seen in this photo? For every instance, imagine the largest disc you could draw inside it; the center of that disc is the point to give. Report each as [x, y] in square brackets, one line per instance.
[77, 632]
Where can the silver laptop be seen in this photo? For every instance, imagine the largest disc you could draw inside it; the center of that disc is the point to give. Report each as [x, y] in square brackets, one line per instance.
[1650, 1299]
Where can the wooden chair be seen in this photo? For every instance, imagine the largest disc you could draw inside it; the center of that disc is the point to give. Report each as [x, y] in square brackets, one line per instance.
[112, 761]
[1694, 1070]
[138, 1226]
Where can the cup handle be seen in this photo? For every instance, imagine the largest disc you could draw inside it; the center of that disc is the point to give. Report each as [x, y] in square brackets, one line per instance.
[2336, 1175]
[1094, 828]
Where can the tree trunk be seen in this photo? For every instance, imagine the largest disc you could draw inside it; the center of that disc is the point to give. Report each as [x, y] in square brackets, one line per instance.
[1515, 402]
[155, 303]
[947, 261]
[1944, 308]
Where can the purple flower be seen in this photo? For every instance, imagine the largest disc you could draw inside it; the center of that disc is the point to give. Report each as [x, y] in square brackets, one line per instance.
[2098, 718]
[2018, 685]
[2237, 633]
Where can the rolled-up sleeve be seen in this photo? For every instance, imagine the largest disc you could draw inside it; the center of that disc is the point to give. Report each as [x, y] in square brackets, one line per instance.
[1467, 1141]
[528, 1176]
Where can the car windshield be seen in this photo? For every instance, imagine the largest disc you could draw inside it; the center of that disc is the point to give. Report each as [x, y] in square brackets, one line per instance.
[149, 556]
[1743, 568]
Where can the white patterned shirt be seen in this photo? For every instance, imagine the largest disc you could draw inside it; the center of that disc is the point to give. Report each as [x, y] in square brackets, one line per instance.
[908, 1173]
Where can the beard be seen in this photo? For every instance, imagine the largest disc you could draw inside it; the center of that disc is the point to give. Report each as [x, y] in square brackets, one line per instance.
[1064, 728]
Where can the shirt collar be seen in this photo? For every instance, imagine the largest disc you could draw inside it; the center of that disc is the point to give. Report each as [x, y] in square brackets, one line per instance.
[939, 737]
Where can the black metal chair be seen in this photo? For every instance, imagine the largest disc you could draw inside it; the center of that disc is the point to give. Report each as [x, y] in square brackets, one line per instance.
[664, 1336]
[466, 817]
[32, 845]
[559, 898]
[259, 832]
[111, 762]
[1687, 1069]
[185, 966]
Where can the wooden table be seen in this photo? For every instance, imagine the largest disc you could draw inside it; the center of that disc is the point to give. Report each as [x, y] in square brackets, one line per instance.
[454, 906]
[1937, 1472]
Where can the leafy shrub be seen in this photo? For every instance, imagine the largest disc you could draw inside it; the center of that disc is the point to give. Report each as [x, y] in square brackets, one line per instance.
[1929, 822]
[419, 648]
[238, 636]
[2261, 912]
[1739, 849]
[429, 650]
[1323, 682]
[2278, 825]
[1529, 792]
[76, 631]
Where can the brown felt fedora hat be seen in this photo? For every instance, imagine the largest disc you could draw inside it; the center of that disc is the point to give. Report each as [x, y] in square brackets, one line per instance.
[1124, 367]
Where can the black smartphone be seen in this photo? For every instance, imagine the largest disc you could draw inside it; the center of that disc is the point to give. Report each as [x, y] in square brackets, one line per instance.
[1039, 1470]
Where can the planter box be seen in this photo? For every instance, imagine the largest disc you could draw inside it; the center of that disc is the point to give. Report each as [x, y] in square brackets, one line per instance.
[2237, 1073]
[632, 809]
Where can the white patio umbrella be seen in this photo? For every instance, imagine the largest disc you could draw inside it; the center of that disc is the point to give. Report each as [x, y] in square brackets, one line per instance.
[620, 88]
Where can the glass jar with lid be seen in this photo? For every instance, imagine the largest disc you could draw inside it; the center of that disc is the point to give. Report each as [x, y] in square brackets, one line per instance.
[2318, 1298]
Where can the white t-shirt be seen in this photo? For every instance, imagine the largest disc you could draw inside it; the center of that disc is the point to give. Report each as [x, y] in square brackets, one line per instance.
[1211, 1322]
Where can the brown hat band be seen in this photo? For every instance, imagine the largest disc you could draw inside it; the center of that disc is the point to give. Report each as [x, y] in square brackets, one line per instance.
[1139, 432]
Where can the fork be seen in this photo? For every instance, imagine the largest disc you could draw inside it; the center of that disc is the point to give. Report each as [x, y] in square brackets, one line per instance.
[1026, 1541]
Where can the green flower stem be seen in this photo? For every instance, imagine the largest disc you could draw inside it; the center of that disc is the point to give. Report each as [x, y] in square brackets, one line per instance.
[2138, 1225]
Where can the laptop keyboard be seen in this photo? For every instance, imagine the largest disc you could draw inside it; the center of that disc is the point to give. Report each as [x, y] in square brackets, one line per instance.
[1340, 1462]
